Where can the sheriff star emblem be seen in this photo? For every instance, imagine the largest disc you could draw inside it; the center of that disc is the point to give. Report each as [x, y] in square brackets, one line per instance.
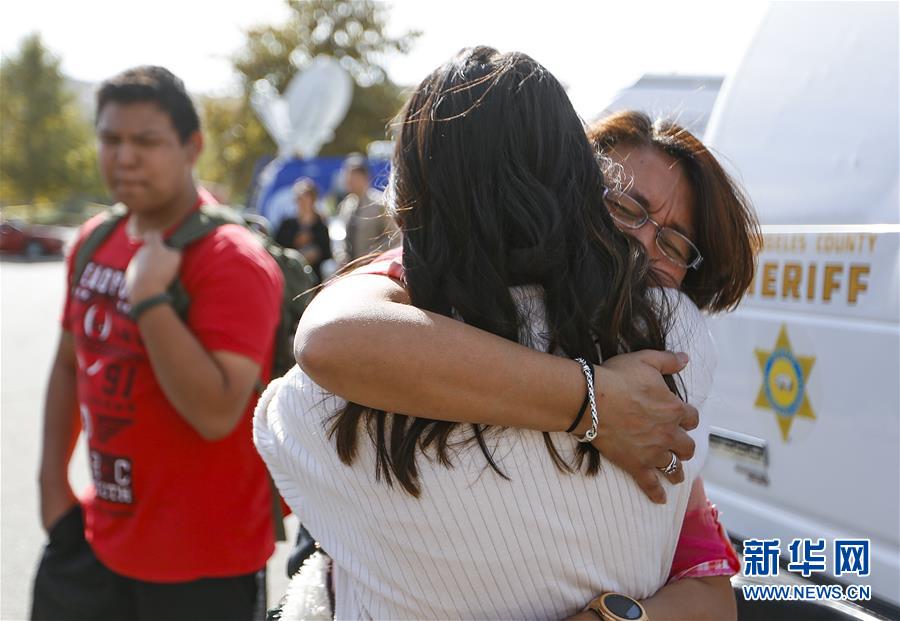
[783, 389]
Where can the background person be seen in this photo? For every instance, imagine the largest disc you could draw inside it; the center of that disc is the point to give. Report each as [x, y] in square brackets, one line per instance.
[178, 522]
[307, 231]
[369, 228]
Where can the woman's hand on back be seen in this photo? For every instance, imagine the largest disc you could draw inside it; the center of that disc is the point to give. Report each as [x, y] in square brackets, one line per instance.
[641, 420]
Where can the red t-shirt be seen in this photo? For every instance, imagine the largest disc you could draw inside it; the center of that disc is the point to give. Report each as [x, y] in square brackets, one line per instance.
[167, 505]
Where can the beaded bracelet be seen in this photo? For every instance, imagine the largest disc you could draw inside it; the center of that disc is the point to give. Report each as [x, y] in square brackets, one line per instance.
[588, 370]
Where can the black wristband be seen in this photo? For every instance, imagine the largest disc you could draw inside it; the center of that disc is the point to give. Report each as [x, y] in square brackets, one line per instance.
[144, 305]
[581, 412]
[578, 418]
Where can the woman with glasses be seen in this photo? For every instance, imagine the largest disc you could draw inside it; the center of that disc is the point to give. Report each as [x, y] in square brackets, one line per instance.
[443, 368]
[665, 188]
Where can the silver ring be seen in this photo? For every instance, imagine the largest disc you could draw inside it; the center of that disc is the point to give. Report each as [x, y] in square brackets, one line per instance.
[672, 467]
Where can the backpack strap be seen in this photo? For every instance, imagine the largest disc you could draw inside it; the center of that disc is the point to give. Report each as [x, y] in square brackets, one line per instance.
[199, 223]
[91, 244]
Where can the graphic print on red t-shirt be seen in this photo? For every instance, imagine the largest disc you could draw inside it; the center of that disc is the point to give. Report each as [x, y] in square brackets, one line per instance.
[109, 357]
[167, 505]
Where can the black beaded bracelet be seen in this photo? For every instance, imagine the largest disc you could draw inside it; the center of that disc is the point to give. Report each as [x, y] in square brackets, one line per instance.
[144, 305]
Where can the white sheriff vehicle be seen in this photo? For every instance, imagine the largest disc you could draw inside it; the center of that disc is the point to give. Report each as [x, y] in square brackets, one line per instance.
[806, 410]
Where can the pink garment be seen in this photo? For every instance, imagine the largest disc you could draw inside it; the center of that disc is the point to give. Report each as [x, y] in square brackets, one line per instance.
[388, 264]
[703, 548]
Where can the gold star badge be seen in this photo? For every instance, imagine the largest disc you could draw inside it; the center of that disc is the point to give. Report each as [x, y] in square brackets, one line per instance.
[784, 383]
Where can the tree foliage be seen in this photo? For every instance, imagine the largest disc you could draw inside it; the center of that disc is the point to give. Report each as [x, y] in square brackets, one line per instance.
[47, 149]
[351, 31]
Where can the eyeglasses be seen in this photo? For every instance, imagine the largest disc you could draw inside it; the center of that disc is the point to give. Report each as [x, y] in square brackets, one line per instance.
[632, 215]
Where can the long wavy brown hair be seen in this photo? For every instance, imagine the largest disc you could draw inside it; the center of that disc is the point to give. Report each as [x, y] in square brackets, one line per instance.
[496, 185]
[728, 234]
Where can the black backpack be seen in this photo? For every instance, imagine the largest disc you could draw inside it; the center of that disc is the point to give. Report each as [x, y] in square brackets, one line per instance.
[299, 277]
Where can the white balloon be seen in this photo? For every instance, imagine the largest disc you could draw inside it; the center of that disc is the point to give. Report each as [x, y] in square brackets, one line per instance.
[272, 111]
[313, 105]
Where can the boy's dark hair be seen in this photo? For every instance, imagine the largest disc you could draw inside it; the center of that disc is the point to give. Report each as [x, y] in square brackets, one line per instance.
[156, 84]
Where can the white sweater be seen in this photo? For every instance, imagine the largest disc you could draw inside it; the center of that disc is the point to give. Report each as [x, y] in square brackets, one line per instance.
[476, 546]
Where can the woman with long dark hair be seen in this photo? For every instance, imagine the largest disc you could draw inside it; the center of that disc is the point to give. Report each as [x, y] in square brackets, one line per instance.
[499, 197]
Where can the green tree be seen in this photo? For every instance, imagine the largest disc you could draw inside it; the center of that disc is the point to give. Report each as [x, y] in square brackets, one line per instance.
[353, 32]
[47, 149]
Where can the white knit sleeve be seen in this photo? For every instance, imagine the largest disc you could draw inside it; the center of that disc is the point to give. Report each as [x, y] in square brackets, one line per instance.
[687, 332]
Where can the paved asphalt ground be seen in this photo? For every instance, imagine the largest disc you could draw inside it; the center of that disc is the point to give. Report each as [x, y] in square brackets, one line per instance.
[31, 296]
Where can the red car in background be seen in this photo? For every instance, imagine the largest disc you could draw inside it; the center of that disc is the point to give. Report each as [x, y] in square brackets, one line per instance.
[32, 241]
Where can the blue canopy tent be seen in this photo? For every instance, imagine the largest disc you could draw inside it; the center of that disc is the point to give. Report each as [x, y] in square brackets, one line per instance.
[273, 198]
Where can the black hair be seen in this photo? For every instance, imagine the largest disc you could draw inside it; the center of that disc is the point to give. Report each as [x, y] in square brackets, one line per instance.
[495, 184]
[157, 85]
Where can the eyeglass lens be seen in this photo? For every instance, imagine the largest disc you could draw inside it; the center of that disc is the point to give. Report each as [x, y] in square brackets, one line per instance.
[633, 215]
